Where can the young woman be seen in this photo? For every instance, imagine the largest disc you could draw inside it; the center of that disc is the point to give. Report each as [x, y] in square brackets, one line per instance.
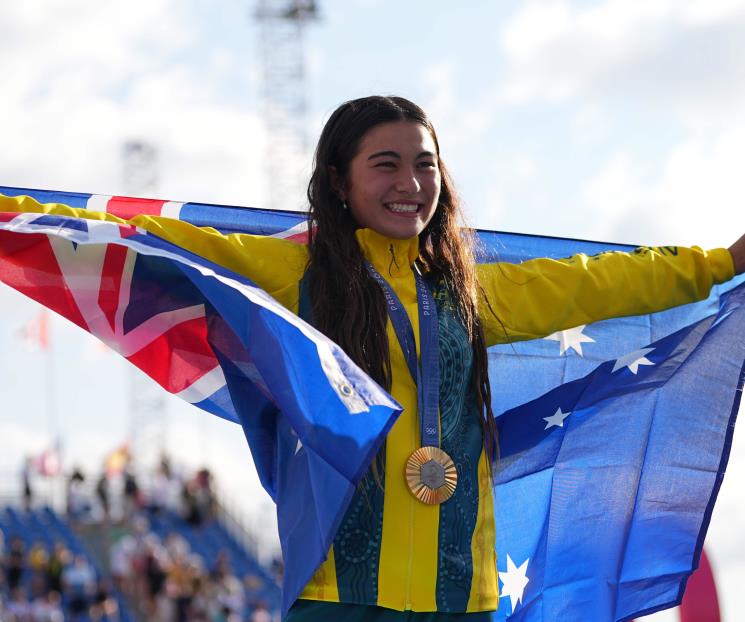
[380, 195]
[389, 275]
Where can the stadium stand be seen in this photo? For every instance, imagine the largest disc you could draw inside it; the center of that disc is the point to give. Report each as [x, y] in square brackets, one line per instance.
[35, 589]
[157, 564]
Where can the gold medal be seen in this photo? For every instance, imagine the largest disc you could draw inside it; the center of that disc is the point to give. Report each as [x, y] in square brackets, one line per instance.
[431, 475]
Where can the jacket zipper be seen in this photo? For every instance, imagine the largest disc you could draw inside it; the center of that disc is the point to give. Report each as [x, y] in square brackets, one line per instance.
[410, 561]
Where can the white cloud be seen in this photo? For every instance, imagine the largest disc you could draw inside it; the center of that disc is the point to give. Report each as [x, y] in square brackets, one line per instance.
[651, 52]
[695, 196]
[80, 88]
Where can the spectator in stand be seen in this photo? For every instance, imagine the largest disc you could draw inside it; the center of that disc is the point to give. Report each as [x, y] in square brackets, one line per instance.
[181, 583]
[38, 564]
[14, 564]
[278, 568]
[231, 596]
[200, 604]
[79, 584]
[28, 492]
[102, 494]
[221, 568]
[122, 561]
[132, 496]
[190, 504]
[104, 605]
[161, 492]
[205, 494]
[155, 573]
[260, 613]
[177, 546]
[78, 505]
[58, 561]
[228, 589]
[142, 543]
[18, 609]
[48, 608]
[252, 585]
[199, 499]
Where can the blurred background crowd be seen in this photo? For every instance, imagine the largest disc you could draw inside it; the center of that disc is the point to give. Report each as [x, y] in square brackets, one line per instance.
[131, 548]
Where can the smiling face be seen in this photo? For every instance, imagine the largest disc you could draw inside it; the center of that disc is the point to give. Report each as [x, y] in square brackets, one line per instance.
[393, 182]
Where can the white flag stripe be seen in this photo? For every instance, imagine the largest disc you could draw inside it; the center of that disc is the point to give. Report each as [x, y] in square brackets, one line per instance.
[301, 227]
[207, 385]
[21, 221]
[98, 202]
[171, 209]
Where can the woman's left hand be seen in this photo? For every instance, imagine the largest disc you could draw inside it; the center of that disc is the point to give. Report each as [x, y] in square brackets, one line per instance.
[738, 255]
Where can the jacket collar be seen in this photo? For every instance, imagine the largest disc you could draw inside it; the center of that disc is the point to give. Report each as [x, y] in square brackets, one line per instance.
[391, 257]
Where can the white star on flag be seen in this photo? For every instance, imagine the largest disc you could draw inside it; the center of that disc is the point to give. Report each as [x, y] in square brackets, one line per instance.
[514, 582]
[633, 360]
[299, 444]
[571, 338]
[556, 420]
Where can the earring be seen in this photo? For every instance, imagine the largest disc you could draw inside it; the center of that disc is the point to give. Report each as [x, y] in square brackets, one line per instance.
[344, 205]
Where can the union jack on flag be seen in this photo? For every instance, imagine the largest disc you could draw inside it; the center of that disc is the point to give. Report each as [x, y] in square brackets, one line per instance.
[112, 281]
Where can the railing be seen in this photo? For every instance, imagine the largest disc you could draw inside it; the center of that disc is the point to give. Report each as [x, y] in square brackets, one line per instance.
[48, 491]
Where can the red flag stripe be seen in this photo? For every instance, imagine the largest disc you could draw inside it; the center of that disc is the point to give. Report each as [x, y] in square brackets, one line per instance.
[111, 281]
[30, 266]
[178, 357]
[127, 207]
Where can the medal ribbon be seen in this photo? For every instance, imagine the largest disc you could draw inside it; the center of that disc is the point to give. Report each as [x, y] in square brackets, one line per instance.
[426, 372]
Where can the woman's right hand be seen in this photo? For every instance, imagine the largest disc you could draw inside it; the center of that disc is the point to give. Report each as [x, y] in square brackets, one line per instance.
[738, 255]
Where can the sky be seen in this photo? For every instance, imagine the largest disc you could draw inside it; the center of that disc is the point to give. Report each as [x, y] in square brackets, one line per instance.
[595, 119]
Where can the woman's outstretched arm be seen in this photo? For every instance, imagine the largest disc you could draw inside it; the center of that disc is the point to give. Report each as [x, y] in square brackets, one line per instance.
[542, 296]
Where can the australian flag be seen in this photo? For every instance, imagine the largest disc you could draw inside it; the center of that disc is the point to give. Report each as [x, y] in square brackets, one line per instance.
[614, 436]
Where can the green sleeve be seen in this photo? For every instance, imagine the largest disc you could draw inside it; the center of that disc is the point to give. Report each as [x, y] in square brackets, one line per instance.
[274, 264]
[541, 296]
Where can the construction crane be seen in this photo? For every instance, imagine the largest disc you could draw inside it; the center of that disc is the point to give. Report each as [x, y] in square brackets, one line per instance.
[282, 26]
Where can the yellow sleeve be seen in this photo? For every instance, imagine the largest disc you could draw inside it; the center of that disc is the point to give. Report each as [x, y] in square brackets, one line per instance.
[274, 264]
[541, 296]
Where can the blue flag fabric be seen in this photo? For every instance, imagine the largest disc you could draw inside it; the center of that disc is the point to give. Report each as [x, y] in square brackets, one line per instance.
[614, 436]
[606, 484]
[555, 478]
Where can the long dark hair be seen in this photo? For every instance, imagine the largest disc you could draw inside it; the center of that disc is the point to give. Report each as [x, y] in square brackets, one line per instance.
[348, 305]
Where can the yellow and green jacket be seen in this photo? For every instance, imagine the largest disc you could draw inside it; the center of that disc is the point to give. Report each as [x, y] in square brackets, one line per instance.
[392, 550]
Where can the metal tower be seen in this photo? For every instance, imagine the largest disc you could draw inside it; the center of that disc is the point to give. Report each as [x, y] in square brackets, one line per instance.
[147, 407]
[282, 25]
